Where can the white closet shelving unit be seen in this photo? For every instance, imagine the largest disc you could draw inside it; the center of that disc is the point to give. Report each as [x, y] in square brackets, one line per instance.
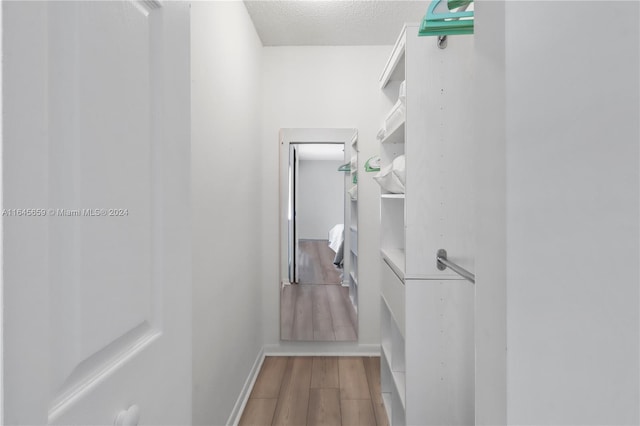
[427, 314]
[352, 229]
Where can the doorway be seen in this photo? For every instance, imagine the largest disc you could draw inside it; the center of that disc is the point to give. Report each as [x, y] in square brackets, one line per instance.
[316, 213]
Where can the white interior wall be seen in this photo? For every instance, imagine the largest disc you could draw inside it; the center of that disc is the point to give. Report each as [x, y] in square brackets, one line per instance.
[320, 198]
[334, 87]
[491, 254]
[566, 104]
[572, 212]
[226, 175]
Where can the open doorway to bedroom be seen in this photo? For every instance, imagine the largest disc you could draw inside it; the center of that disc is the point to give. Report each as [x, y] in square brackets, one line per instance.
[317, 213]
[316, 302]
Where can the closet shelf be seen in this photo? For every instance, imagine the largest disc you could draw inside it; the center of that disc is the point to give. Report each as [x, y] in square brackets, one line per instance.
[393, 196]
[351, 227]
[395, 258]
[399, 378]
[400, 383]
[386, 348]
[386, 399]
[396, 135]
[394, 68]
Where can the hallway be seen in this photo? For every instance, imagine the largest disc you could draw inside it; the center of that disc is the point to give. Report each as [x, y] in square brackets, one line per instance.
[517, 148]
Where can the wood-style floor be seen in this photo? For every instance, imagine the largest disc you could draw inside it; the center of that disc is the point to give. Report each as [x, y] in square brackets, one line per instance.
[317, 312]
[318, 308]
[311, 391]
[315, 263]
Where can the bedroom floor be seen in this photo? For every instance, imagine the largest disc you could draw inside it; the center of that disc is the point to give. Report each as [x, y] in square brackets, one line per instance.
[316, 391]
[315, 263]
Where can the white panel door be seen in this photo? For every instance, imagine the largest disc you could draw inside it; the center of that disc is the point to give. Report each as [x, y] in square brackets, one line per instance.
[95, 206]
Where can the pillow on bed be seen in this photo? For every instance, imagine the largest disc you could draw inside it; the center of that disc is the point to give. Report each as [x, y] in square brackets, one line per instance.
[336, 236]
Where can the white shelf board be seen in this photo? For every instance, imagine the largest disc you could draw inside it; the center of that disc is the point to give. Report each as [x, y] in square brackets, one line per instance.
[395, 135]
[354, 141]
[400, 383]
[386, 399]
[353, 277]
[394, 68]
[395, 258]
[393, 196]
[386, 349]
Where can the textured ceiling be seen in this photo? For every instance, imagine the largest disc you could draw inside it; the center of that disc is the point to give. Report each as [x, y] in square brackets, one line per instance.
[332, 23]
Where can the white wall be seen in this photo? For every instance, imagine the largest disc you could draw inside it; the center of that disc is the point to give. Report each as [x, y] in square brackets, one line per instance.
[226, 177]
[569, 169]
[491, 249]
[315, 87]
[320, 198]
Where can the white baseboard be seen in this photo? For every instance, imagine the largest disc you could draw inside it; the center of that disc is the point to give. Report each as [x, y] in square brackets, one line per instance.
[241, 402]
[320, 349]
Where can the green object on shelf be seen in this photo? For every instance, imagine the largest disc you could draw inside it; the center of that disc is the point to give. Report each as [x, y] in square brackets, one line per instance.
[447, 22]
[372, 164]
[355, 177]
[345, 167]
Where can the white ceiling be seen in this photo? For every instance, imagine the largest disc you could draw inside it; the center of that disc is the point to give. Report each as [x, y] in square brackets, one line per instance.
[315, 151]
[332, 23]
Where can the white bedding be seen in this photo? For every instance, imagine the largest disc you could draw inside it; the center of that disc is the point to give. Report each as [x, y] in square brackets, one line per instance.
[336, 237]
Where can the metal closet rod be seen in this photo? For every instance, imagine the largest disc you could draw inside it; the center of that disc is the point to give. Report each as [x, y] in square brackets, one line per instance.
[443, 263]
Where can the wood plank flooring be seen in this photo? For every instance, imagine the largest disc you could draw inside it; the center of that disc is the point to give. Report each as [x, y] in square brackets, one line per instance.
[315, 263]
[318, 308]
[314, 391]
[316, 313]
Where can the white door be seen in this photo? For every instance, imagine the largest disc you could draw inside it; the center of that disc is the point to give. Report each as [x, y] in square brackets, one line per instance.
[96, 279]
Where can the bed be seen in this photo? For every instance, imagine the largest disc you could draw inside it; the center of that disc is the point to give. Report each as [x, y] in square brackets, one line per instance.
[336, 243]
